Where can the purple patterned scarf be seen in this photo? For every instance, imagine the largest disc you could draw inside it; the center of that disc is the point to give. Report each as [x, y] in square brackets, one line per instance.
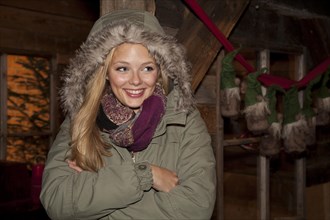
[127, 128]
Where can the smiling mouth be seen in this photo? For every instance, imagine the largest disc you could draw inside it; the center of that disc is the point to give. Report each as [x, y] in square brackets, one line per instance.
[135, 92]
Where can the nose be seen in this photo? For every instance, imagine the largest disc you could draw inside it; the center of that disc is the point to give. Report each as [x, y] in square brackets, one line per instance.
[135, 78]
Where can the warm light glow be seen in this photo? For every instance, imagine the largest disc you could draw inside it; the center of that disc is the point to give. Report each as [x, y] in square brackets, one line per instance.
[27, 107]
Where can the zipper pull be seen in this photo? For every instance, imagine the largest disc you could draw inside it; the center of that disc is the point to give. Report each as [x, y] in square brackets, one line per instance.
[133, 156]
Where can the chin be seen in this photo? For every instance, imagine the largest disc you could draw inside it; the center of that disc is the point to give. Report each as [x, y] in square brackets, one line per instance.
[134, 107]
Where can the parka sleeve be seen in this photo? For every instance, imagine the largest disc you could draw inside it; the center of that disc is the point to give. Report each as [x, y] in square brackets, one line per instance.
[194, 197]
[67, 194]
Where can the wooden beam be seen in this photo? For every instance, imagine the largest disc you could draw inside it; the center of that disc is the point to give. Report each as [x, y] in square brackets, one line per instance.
[107, 6]
[78, 9]
[3, 110]
[316, 37]
[219, 148]
[42, 23]
[20, 40]
[202, 46]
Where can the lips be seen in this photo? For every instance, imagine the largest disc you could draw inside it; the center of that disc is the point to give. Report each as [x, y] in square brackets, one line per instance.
[134, 92]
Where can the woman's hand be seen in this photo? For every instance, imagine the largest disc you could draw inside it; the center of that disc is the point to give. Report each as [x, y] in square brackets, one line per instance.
[73, 165]
[164, 180]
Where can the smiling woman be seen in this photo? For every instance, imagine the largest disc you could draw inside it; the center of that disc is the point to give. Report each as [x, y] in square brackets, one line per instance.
[145, 152]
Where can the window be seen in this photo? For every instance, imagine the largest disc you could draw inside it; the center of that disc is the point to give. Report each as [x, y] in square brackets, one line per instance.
[26, 128]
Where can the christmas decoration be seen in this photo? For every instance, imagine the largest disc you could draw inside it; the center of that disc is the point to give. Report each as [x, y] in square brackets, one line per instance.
[294, 124]
[270, 142]
[256, 107]
[309, 112]
[323, 101]
[229, 87]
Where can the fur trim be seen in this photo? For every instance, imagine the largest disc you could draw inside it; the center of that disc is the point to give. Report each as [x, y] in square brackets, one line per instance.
[322, 118]
[275, 130]
[324, 104]
[230, 94]
[295, 136]
[169, 55]
[297, 127]
[230, 102]
[311, 122]
[258, 110]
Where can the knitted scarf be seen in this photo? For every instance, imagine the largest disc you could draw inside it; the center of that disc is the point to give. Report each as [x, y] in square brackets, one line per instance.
[126, 128]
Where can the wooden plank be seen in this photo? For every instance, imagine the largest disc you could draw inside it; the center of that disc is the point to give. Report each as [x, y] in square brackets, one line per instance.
[206, 92]
[253, 30]
[326, 194]
[263, 188]
[14, 40]
[108, 6]
[300, 177]
[316, 37]
[208, 114]
[300, 164]
[263, 162]
[202, 46]
[86, 10]
[240, 141]
[3, 104]
[170, 13]
[41, 23]
[219, 147]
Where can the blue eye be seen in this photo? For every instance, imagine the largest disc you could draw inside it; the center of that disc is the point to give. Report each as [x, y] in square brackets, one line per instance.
[121, 69]
[148, 68]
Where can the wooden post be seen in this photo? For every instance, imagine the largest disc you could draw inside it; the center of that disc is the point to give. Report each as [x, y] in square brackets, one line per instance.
[263, 162]
[3, 111]
[53, 100]
[107, 6]
[219, 142]
[300, 164]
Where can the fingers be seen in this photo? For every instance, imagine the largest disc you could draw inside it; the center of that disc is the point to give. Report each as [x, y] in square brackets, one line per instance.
[73, 165]
[164, 180]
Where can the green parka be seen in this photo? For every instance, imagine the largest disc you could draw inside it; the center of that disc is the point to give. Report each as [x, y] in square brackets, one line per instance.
[181, 143]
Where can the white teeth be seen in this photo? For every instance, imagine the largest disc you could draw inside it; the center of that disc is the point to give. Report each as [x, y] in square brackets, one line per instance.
[135, 92]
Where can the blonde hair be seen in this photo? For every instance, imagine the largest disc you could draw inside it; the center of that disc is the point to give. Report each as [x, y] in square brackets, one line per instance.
[87, 144]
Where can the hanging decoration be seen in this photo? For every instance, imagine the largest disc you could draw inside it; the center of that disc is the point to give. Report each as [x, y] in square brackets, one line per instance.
[256, 108]
[323, 101]
[270, 142]
[309, 112]
[294, 124]
[229, 87]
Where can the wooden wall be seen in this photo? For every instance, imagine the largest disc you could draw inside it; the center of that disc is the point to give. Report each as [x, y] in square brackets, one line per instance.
[47, 26]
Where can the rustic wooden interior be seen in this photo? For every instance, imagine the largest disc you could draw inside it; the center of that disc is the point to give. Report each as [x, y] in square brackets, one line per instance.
[284, 28]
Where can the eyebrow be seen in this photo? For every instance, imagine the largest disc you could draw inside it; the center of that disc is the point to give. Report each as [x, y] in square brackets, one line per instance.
[125, 62]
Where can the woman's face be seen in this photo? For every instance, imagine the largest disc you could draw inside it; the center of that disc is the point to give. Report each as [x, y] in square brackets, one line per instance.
[133, 74]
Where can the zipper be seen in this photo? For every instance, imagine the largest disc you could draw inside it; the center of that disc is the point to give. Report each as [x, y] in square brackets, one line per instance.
[133, 155]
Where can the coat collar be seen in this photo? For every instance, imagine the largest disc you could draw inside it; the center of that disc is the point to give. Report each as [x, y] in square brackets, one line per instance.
[172, 116]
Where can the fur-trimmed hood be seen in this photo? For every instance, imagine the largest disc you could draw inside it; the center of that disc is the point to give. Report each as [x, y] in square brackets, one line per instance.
[126, 26]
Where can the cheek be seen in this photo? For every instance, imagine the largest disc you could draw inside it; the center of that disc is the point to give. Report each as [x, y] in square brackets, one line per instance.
[152, 80]
[116, 80]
